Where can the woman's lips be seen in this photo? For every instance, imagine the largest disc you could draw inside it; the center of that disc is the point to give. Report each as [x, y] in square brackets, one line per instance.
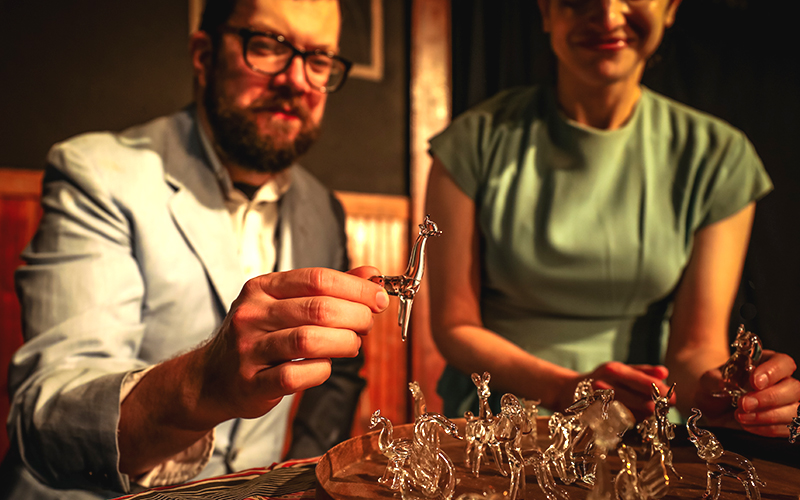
[610, 44]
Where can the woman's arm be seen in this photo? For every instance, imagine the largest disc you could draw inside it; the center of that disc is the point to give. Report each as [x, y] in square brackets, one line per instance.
[454, 276]
[698, 342]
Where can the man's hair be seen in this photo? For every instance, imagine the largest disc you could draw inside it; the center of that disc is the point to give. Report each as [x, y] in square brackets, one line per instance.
[215, 14]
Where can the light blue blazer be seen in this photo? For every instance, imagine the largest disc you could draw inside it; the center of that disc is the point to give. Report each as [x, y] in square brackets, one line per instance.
[135, 261]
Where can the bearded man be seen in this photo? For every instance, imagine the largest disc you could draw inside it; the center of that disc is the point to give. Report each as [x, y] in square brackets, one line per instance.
[192, 226]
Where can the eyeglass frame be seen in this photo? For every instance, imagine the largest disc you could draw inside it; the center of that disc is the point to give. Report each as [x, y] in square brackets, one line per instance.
[246, 34]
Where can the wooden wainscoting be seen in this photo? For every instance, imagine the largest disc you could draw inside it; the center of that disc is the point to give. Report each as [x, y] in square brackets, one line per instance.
[19, 215]
[377, 232]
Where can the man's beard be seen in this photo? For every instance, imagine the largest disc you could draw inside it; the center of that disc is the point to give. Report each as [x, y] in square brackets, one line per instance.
[238, 137]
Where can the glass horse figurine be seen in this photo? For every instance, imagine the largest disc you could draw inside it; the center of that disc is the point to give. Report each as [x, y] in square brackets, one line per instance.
[406, 285]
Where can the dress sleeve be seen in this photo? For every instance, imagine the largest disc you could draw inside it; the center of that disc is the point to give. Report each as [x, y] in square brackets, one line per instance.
[458, 147]
[739, 180]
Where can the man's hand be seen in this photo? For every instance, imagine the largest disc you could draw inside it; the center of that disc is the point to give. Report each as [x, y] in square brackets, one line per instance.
[768, 408]
[632, 385]
[280, 335]
[278, 338]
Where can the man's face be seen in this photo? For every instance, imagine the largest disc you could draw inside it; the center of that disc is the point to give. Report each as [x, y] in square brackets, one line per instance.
[605, 41]
[262, 122]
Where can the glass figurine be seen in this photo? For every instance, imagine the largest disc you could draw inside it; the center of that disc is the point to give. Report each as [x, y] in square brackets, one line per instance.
[631, 484]
[397, 451]
[430, 472]
[421, 407]
[563, 429]
[664, 431]
[480, 428]
[582, 445]
[512, 424]
[720, 462]
[627, 483]
[530, 441]
[544, 477]
[794, 427]
[608, 420]
[406, 285]
[418, 467]
[736, 370]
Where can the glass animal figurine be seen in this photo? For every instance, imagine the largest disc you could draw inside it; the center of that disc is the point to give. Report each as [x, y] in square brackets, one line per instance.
[406, 285]
[480, 429]
[608, 420]
[418, 468]
[512, 424]
[736, 371]
[794, 427]
[721, 463]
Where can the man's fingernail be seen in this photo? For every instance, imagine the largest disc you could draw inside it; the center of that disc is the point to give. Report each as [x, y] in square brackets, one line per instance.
[761, 381]
[749, 404]
[382, 300]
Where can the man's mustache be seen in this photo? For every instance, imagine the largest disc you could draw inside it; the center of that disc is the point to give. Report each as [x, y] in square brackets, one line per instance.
[289, 106]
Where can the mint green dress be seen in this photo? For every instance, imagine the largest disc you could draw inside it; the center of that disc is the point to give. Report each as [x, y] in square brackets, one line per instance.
[586, 232]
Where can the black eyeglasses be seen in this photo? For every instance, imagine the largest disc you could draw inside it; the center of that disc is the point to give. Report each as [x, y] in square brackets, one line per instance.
[271, 54]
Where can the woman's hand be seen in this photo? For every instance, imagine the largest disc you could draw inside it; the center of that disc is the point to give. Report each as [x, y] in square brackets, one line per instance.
[768, 408]
[632, 385]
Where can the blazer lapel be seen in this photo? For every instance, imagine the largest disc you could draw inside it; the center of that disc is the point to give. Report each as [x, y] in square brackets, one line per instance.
[199, 211]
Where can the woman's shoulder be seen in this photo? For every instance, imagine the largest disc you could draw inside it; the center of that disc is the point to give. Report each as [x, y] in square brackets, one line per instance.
[510, 106]
[688, 122]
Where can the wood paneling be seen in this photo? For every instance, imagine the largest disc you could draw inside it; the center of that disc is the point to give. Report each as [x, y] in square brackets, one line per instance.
[377, 232]
[430, 113]
[19, 214]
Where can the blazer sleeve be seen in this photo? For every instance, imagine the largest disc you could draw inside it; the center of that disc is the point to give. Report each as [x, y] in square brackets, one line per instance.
[81, 294]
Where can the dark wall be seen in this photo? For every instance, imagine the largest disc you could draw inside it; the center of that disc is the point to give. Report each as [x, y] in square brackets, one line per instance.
[81, 65]
[736, 59]
[84, 65]
[364, 144]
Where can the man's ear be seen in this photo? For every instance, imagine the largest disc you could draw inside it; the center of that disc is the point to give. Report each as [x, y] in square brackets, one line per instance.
[672, 9]
[544, 8]
[201, 51]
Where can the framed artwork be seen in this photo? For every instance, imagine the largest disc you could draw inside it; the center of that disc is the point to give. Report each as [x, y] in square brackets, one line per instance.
[362, 38]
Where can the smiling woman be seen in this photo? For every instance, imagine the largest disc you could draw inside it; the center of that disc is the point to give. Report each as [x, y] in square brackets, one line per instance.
[603, 48]
[597, 230]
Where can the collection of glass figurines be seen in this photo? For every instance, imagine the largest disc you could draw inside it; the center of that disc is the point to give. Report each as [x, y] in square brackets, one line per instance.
[581, 439]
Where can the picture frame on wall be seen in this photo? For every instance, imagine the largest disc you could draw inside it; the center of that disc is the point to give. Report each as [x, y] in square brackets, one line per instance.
[362, 39]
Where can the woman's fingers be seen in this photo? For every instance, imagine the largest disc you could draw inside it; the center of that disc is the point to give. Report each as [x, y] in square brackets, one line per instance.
[773, 368]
